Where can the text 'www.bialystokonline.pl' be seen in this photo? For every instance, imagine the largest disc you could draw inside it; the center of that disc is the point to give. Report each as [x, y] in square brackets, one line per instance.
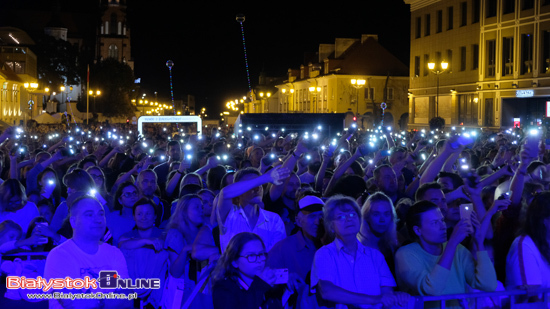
[75, 296]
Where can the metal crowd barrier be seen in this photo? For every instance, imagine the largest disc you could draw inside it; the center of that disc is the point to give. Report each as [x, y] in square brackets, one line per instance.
[513, 299]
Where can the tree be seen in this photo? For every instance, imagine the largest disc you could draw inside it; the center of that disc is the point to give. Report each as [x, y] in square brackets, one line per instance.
[56, 62]
[116, 81]
[437, 123]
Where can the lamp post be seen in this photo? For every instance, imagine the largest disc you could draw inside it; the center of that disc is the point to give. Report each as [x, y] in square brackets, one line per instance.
[287, 103]
[93, 94]
[30, 87]
[314, 92]
[358, 84]
[267, 95]
[437, 71]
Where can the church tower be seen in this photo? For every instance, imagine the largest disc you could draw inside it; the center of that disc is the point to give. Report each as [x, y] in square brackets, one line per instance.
[113, 39]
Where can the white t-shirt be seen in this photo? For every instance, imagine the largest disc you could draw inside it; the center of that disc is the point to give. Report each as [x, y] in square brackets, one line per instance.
[68, 260]
[269, 227]
[525, 265]
[23, 216]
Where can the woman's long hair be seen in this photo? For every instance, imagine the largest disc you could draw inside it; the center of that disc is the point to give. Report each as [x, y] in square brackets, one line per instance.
[9, 189]
[224, 267]
[388, 242]
[180, 220]
[537, 212]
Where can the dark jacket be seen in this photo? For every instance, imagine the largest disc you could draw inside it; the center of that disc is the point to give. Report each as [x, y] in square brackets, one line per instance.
[228, 293]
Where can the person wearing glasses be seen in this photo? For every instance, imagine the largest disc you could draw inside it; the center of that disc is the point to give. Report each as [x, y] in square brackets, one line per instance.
[121, 220]
[241, 279]
[346, 272]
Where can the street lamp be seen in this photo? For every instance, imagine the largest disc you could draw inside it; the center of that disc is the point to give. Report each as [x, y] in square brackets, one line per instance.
[314, 92]
[30, 87]
[93, 94]
[437, 71]
[358, 84]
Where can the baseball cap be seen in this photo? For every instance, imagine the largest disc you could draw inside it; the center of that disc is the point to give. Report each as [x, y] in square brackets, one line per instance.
[311, 203]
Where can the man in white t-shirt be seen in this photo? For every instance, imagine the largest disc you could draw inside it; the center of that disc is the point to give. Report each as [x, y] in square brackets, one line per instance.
[249, 215]
[85, 255]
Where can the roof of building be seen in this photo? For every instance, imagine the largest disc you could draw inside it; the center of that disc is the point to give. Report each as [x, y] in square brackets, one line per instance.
[8, 74]
[371, 58]
[12, 36]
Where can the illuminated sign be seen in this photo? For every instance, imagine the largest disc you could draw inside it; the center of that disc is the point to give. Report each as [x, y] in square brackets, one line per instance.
[517, 123]
[171, 119]
[524, 93]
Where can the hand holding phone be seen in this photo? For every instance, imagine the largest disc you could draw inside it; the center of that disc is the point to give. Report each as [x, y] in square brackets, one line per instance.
[466, 212]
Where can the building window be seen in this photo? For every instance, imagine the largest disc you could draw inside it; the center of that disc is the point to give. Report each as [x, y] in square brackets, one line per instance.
[389, 94]
[18, 67]
[508, 6]
[428, 25]
[527, 4]
[463, 58]
[463, 13]
[491, 58]
[476, 11]
[545, 52]
[526, 53]
[114, 22]
[467, 109]
[416, 66]
[113, 51]
[507, 56]
[426, 61]
[450, 18]
[491, 8]
[439, 21]
[418, 27]
[369, 94]
[475, 56]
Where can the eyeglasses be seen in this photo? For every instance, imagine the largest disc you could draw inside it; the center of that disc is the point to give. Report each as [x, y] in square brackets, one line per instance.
[13, 203]
[253, 258]
[96, 176]
[130, 194]
[344, 217]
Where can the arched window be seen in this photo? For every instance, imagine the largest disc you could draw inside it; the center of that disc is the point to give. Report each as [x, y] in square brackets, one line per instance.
[113, 51]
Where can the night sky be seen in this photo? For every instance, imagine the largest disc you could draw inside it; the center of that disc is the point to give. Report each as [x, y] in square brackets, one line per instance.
[204, 40]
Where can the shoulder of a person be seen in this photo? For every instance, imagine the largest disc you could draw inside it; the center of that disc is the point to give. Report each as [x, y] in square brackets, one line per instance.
[62, 250]
[270, 215]
[327, 249]
[226, 284]
[109, 249]
[524, 242]
[408, 249]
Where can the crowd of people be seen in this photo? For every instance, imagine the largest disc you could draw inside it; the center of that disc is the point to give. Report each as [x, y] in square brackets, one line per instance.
[260, 218]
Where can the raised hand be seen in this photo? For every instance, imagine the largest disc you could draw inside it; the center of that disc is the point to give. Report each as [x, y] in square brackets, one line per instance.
[279, 174]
